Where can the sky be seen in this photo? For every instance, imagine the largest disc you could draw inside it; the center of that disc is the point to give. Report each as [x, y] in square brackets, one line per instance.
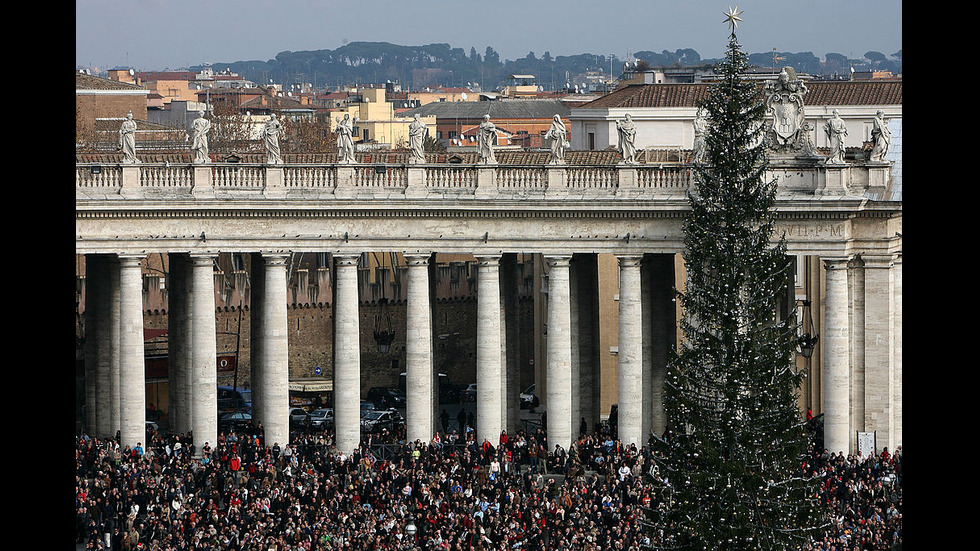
[153, 35]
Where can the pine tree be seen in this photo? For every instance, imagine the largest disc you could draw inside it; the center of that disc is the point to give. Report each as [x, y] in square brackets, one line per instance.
[736, 459]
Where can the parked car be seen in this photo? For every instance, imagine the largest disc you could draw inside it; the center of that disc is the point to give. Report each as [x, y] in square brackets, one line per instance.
[375, 421]
[528, 398]
[386, 397]
[469, 393]
[238, 420]
[234, 399]
[322, 419]
[299, 417]
[366, 406]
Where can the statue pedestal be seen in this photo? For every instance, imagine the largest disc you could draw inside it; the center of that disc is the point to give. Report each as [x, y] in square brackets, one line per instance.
[203, 181]
[486, 181]
[345, 182]
[416, 182]
[130, 182]
[275, 186]
[557, 181]
[832, 180]
[627, 181]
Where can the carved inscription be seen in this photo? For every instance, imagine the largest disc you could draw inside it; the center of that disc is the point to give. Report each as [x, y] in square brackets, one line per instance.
[821, 231]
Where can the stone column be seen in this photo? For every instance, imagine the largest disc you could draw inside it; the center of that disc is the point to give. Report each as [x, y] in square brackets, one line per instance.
[559, 353]
[895, 332]
[347, 355]
[855, 364]
[97, 342]
[419, 384]
[576, 340]
[204, 352]
[257, 319]
[132, 378]
[879, 380]
[630, 357]
[510, 343]
[836, 380]
[488, 360]
[274, 365]
[646, 349]
[179, 344]
[115, 356]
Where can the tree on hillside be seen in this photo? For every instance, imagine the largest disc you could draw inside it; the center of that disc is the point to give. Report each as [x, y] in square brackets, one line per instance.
[735, 458]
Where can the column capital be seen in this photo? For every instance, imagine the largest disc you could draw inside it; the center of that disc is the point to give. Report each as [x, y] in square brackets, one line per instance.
[347, 259]
[417, 259]
[488, 259]
[835, 263]
[560, 260]
[629, 260]
[876, 260]
[199, 258]
[127, 259]
[277, 258]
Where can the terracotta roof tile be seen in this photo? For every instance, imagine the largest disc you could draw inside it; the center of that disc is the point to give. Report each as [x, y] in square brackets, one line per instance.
[858, 92]
[89, 82]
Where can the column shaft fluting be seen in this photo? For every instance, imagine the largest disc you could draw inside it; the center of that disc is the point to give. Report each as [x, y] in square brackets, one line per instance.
[836, 376]
[204, 344]
[630, 357]
[559, 353]
[275, 358]
[132, 378]
[488, 357]
[347, 355]
[419, 384]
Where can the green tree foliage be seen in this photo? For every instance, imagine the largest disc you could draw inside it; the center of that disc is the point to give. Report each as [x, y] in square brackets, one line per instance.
[376, 62]
[734, 460]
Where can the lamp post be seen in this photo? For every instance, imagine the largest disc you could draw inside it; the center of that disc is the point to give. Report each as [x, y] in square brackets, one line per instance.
[807, 339]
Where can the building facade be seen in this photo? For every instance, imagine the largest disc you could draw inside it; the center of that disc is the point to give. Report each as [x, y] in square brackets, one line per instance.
[588, 224]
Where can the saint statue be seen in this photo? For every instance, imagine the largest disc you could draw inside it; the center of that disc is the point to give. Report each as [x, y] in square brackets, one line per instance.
[485, 139]
[836, 130]
[881, 136]
[700, 127]
[416, 139]
[272, 131]
[559, 141]
[345, 140]
[199, 144]
[627, 139]
[127, 139]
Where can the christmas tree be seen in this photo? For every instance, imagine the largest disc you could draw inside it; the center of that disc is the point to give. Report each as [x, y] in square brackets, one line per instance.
[736, 459]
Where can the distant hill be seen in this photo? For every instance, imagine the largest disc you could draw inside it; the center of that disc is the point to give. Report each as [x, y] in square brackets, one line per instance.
[416, 66]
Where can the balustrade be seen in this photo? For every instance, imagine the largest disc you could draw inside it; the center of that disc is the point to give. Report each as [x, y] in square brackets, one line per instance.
[603, 180]
[316, 177]
[98, 176]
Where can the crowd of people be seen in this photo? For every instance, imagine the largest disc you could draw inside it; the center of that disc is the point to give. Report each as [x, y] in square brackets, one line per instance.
[451, 494]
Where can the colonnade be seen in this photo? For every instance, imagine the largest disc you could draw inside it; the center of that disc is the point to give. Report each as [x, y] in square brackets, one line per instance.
[861, 369]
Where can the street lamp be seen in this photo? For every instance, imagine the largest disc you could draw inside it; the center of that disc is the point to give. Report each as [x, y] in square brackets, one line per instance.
[807, 339]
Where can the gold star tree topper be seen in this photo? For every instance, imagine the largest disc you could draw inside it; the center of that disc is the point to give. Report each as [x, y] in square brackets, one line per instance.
[732, 17]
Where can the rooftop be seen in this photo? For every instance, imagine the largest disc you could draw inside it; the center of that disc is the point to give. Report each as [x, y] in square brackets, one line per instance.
[501, 109]
[824, 93]
[90, 82]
